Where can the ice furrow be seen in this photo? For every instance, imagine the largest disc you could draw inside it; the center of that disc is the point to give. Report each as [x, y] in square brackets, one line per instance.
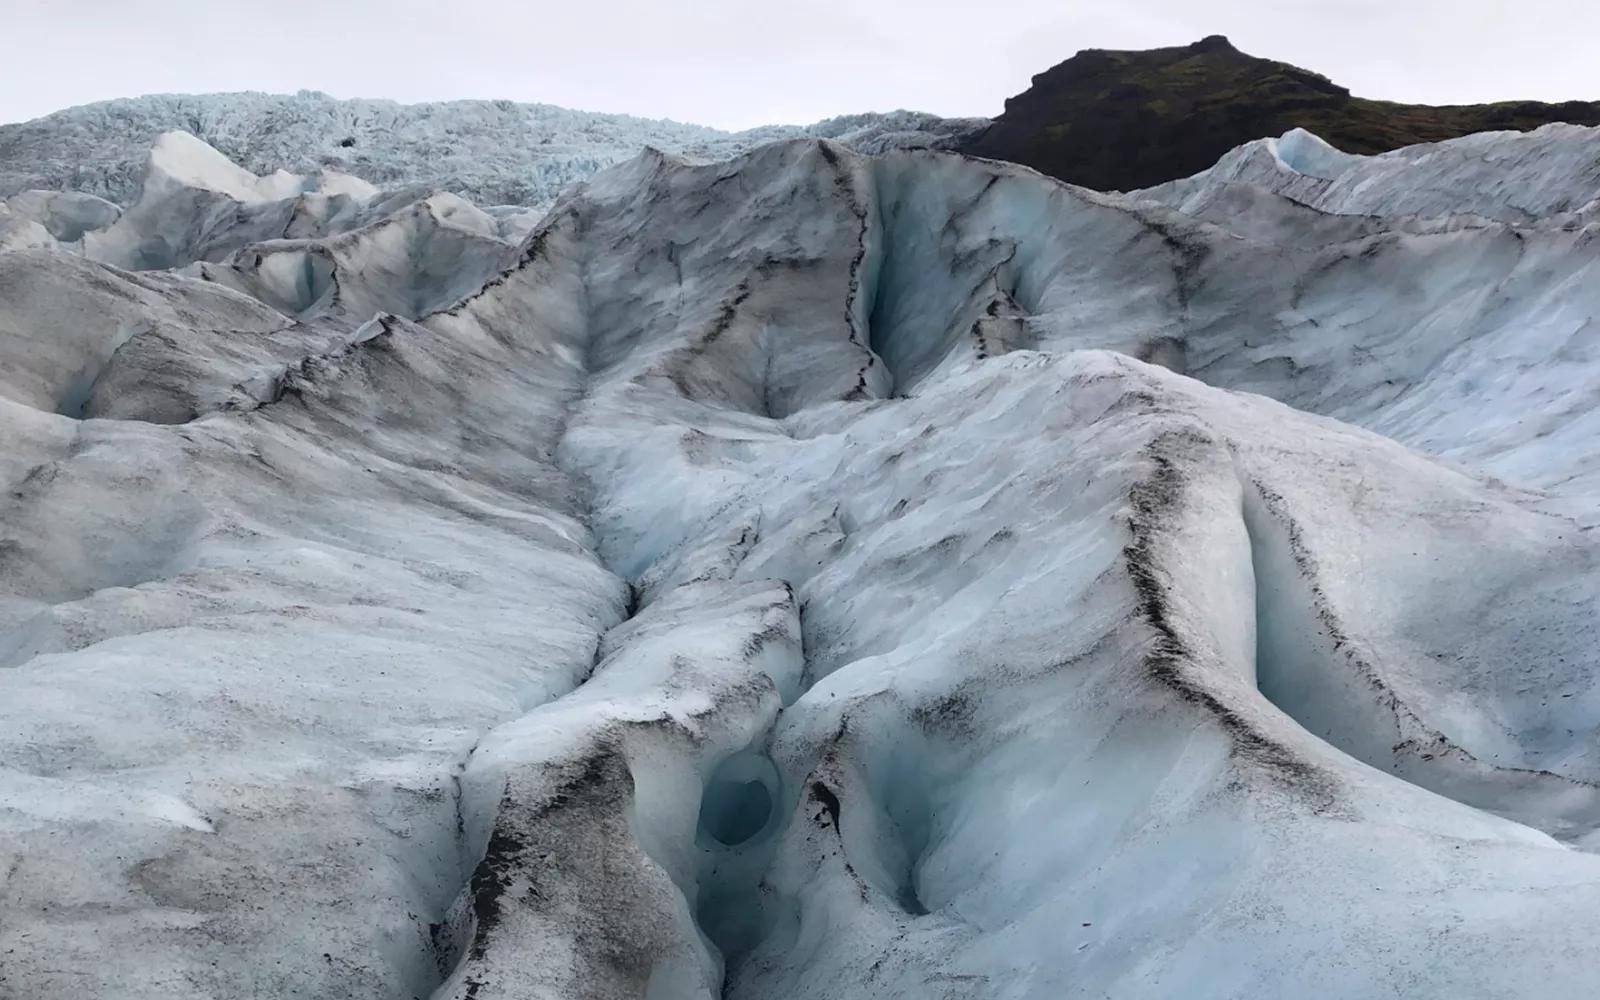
[665, 713]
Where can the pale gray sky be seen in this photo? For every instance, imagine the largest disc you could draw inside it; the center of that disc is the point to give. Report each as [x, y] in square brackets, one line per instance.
[738, 63]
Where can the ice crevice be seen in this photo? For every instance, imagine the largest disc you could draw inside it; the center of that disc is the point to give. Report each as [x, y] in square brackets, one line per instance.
[739, 802]
[1309, 665]
[673, 715]
[76, 398]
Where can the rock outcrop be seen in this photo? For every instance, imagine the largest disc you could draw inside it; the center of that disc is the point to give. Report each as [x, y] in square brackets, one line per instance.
[1115, 121]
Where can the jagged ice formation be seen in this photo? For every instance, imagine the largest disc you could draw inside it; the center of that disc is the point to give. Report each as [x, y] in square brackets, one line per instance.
[491, 152]
[811, 575]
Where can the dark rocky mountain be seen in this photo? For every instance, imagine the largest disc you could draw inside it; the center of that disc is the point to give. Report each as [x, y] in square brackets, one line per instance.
[1126, 120]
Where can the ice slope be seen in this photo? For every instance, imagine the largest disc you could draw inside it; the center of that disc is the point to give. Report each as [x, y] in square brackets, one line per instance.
[196, 207]
[810, 575]
[491, 152]
[1550, 176]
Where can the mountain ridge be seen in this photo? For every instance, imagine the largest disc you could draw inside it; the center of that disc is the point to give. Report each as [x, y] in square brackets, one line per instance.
[1117, 120]
[1111, 120]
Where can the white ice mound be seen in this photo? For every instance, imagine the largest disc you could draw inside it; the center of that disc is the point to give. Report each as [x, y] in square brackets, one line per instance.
[179, 159]
[809, 576]
[1309, 154]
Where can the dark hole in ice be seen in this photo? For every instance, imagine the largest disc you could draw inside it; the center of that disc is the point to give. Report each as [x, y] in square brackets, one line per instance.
[734, 811]
[739, 818]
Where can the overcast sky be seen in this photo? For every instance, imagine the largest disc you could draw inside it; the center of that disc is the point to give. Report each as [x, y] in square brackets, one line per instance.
[739, 63]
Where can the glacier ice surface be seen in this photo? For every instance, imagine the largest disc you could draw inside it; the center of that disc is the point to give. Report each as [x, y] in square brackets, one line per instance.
[807, 575]
[492, 152]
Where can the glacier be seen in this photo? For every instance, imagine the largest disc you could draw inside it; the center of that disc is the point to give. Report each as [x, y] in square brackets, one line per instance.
[811, 574]
[490, 152]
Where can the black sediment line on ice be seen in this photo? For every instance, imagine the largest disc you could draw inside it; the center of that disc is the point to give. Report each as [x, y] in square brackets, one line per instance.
[1156, 502]
[860, 331]
[1428, 758]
